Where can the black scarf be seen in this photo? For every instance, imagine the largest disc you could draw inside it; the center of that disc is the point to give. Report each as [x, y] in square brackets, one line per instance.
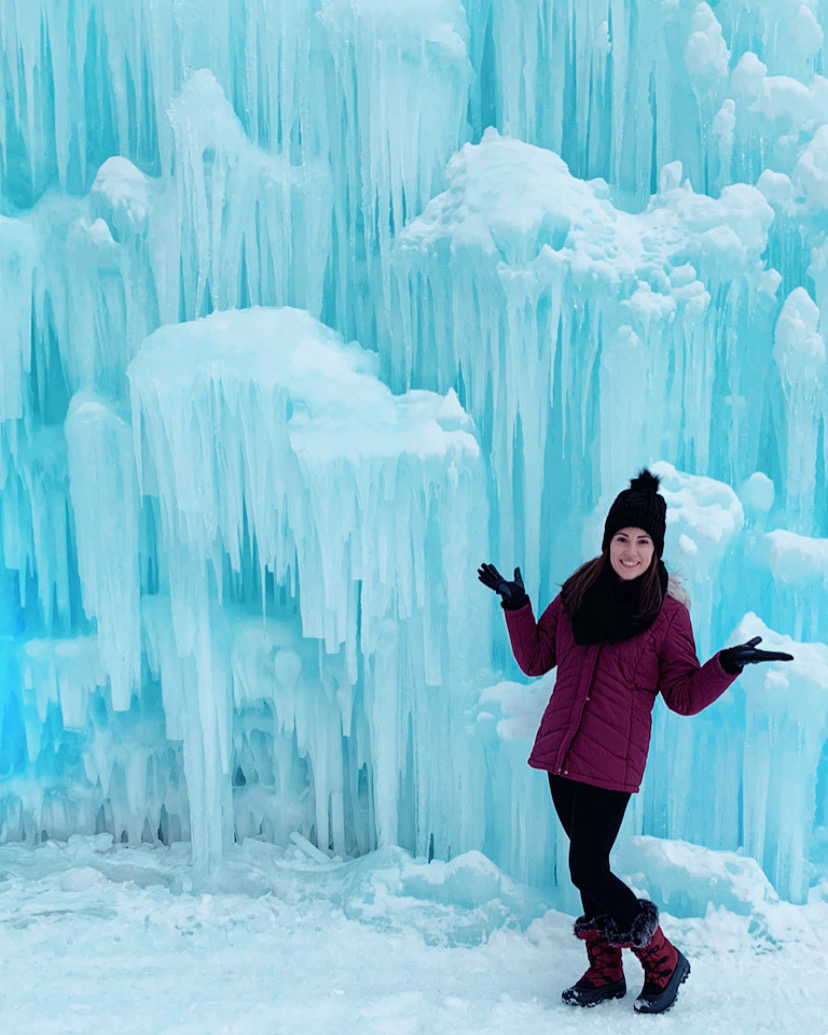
[610, 610]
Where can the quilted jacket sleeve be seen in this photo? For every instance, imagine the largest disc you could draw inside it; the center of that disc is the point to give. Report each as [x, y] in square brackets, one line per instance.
[534, 643]
[686, 686]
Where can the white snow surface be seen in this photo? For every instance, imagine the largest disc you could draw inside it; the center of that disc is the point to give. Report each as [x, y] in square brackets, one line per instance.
[97, 937]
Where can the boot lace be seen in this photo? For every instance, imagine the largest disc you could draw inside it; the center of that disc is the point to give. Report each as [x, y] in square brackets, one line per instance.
[604, 963]
[659, 961]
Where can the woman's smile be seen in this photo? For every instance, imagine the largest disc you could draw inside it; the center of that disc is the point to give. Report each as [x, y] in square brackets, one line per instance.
[631, 552]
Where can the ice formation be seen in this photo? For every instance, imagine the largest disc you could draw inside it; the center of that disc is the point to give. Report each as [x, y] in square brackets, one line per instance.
[310, 307]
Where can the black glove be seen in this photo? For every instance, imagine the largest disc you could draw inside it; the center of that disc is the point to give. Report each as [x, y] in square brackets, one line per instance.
[734, 659]
[512, 593]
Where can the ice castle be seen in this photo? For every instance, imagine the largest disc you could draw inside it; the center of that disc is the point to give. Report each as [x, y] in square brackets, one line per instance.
[309, 307]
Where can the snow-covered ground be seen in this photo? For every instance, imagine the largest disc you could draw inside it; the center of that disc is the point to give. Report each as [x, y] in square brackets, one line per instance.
[97, 938]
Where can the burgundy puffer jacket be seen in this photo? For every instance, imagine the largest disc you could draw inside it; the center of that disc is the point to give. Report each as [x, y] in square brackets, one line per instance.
[596, 727]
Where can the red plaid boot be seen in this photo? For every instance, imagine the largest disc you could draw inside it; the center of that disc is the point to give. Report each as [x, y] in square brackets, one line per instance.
[605, 977]
[665, 968]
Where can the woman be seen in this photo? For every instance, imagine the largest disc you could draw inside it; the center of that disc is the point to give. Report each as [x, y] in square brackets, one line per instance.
[619, 634]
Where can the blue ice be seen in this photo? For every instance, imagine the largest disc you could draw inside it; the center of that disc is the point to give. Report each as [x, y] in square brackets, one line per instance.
[311, 307]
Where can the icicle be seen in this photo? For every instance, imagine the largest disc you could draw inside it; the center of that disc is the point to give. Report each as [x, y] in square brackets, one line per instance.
[518, 267]
[799, 351]
[786, 724]
[402, 85]
[104, 498]
[264, 421]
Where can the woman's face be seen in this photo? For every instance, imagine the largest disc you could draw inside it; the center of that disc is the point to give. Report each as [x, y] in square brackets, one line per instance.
[631, 552]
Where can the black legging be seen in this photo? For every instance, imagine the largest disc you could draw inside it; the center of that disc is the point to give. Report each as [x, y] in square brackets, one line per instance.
[591, 817]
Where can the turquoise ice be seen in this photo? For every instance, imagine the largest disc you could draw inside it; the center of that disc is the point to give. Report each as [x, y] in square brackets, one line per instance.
[310, 306]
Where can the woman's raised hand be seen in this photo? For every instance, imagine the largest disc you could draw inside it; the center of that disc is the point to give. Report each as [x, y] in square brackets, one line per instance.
[512, 594]
[734, 659]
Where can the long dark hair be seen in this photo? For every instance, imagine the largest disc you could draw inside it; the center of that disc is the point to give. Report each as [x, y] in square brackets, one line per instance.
[584, 578]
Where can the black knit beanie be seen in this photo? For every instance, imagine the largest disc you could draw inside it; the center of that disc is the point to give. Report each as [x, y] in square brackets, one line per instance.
[640, 506]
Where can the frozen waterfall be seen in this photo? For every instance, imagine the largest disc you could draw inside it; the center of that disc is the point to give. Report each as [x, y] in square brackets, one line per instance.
[312, 305]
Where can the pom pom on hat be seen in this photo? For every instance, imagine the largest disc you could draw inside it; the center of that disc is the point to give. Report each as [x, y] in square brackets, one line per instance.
[645, 482]
[640, 506]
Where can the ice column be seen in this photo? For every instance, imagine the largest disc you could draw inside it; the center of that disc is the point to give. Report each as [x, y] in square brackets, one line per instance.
[253, 227]
[554, 309]
[787, 33]
[706, 57]
[37, 530]
[795, 584]
[401, 93]
[19, 253]
[617, 89]
[90, 768]
[799, 351]
[786, 710]
[274, 454]
[104, 494]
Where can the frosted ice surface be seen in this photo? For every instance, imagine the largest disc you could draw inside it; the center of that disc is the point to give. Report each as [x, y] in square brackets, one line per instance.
[237, 592]
[36, 527]
[291, 406]
[799, 351]
[688, 879]
[704, 517]
[104, 495]
[699, 507]
[268, 437]
[787, 111]
[793, 556]
[706, 54]
[786, 718]
[18, 256]
[124, 193]
[402, 82]
[275, 249]
[520, 264]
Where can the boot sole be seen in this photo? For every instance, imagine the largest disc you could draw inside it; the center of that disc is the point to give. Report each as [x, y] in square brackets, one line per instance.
[666, 999]
[592, 998]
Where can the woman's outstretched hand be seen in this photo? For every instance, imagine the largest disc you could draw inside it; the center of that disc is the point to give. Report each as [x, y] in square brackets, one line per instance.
[513, 595]
[734, 659]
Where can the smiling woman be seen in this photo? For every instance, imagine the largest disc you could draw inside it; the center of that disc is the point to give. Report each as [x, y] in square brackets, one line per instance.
[619, 637]
[631, 552]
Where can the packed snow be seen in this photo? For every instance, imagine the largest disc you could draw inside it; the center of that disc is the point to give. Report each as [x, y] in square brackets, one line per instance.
[98, 936]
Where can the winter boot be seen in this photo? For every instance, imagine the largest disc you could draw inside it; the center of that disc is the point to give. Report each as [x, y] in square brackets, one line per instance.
[605, 977]
[665, 968]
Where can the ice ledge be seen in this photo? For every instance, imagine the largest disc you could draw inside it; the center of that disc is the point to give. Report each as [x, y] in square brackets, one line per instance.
[687, 879]
[334, 405]
[518, 202]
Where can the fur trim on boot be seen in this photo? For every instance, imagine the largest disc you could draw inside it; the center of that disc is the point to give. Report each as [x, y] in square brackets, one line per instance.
[665, 968]
[640, 932]
[605, 977]
[584, 926]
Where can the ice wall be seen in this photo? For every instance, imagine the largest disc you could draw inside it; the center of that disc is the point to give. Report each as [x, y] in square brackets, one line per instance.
[310, 307]
[519, 265]
[285, 471]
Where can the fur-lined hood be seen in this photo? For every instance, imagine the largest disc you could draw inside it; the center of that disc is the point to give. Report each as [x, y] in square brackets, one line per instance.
[676, 590]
